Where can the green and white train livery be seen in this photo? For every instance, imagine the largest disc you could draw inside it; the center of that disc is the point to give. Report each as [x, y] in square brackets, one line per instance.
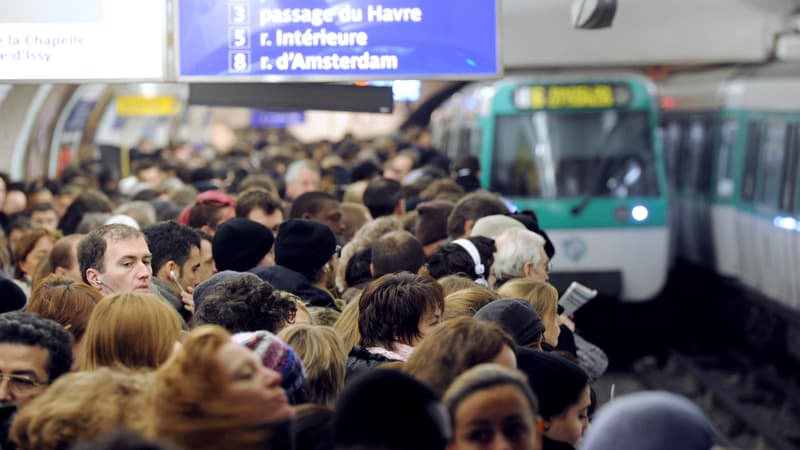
[580, 151]
[732, 146]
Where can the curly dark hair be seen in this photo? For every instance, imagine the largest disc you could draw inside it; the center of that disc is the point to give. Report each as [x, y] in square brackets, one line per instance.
[30, 329]
[245, 304]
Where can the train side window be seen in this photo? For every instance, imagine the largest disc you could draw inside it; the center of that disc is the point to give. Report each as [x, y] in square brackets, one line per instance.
[684, 157]
[728, 138]
[789, 183]
[754, 132]
[477, 141]
[705, 157]
[464, 140]
[696, 156]
[671, 134]
[444, 143]
[796, 193]
[770, 167]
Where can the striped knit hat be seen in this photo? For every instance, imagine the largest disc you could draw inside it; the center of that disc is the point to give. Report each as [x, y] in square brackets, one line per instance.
[280, 357]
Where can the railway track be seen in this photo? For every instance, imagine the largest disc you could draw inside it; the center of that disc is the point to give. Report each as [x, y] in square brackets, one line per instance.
[754, 407]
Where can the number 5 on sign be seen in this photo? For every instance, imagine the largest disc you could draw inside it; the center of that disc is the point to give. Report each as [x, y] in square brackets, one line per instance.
[239, 38]
[239, 61]
[238, 14]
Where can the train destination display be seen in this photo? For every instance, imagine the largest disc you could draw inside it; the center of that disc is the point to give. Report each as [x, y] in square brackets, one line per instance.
[572, 96]
[318, 39]
[76, 40]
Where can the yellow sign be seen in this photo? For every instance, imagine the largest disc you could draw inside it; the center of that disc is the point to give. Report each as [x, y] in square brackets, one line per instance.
[134, 105]
[572, 96]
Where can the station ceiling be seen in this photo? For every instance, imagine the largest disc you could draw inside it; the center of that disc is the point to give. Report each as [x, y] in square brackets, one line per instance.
[645, 32]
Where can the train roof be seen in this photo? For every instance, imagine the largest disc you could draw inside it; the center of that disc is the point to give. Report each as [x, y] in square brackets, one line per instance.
[772, 87]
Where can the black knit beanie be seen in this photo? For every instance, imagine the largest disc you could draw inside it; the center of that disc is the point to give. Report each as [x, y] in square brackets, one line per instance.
[557, 382]
[240, 244]
[13, 299]
[304, 245]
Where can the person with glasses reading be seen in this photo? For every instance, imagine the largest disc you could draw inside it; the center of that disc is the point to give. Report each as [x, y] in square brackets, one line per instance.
[34, 351]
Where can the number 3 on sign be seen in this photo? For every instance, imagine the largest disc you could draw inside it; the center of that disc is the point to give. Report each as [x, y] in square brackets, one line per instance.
[238, 14]
[239, 61]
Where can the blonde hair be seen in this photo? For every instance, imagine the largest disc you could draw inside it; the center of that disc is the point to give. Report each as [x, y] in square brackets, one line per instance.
[453, 347]
[322, 315]
[299, 305]
[453, 283]
[346, 325]
[467, 302]
[324, 357]
[130, 331]
[188, 404]
[81, 406]
[541, 295]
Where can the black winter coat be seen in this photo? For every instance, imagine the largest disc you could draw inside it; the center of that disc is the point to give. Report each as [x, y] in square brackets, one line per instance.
[360, 359]
[288, 280]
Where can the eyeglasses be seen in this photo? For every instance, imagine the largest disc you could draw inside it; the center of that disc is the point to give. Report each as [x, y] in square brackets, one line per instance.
[547, 267]
[20, 384]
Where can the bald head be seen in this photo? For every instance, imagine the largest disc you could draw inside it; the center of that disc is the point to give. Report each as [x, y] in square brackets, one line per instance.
[396, 252]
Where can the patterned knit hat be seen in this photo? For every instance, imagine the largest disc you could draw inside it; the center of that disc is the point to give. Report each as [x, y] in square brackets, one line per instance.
[280, 357]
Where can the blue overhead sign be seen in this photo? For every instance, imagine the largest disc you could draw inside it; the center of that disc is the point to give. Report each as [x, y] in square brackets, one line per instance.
[277, 40]
[275, 119]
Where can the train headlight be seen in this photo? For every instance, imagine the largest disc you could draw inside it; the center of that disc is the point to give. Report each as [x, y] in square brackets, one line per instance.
[787, 223]
[640, 213]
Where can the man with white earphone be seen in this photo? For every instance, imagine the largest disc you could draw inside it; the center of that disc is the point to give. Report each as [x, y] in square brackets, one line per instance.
[176, 261]
[116, 258]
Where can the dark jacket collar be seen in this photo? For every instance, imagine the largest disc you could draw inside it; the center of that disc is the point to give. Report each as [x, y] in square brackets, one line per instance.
[288, 280]
[164, 290]
[549, 444]
[360, 359]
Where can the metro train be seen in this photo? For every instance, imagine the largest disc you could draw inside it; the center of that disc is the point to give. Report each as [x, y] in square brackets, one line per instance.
[582, 152]
[732, 151]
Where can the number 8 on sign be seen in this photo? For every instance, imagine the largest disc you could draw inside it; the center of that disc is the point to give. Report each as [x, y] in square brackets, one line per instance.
[239, 61]
[238, 14]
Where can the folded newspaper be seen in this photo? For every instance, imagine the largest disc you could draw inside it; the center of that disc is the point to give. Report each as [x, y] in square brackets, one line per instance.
[574, 297]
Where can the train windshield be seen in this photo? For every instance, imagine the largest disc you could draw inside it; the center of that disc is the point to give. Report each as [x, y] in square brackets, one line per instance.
[549, 154]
